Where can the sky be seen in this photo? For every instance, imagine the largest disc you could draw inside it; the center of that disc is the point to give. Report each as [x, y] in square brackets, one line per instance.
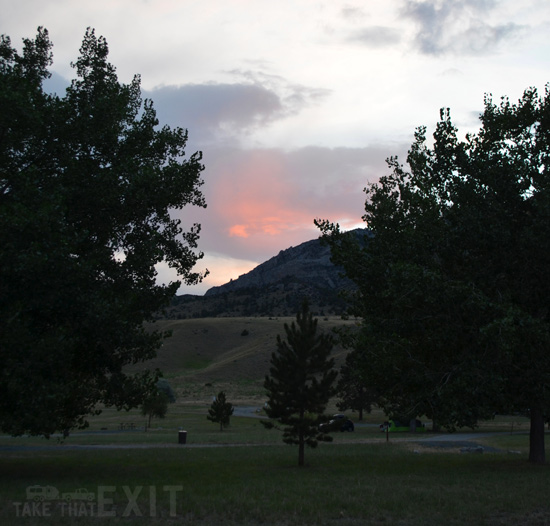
[297, 104]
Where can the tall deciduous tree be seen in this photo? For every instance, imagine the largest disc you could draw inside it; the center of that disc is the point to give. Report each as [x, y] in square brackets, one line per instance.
[455, 281]
[88, 183]
[353, 391]
[300, 382]
[155, 405]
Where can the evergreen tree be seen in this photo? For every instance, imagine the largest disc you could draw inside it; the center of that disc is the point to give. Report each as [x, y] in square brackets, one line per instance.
[220, 411]
[300, 382]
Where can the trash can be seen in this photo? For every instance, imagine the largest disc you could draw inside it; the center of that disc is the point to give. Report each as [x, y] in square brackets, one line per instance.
[182, 437]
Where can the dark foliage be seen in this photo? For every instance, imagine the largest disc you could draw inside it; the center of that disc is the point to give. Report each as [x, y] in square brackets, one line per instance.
[353, 390]
[87, 185]
[220, 411]
[300, 382]
[454, 284]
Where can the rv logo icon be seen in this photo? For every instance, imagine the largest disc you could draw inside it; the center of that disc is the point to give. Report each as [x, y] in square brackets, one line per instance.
[42, 493]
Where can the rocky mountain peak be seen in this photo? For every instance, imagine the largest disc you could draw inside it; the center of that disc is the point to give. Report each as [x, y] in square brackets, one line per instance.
[307, 263]
[276, 287]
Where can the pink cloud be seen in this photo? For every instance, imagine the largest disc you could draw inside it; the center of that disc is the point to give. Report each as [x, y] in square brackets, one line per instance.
[252, 194]
[261, 201]
[238, 231]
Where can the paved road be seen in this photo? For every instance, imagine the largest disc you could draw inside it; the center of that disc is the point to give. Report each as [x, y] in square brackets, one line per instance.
[429, 440]
[251, 411]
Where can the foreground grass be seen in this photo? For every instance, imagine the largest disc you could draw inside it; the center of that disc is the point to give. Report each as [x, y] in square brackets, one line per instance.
[245, 475]
[344, 483]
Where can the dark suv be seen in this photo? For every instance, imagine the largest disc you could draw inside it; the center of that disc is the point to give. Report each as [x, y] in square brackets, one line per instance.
[337, 423]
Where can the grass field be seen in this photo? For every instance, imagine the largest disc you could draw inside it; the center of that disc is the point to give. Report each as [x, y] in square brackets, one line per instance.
[345, 483]
[246, 476]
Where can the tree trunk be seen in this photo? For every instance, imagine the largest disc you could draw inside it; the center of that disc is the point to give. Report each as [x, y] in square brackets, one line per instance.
[537, 454]
[435, 425]
[301, 452]
[301, 442]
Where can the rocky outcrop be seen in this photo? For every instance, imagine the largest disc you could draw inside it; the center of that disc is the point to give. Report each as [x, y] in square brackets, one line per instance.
[306, 264]
[275, 288]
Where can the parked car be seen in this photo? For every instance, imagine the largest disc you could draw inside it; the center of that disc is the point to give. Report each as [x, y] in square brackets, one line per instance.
[337, 423]
[41, 493]
[79, 494]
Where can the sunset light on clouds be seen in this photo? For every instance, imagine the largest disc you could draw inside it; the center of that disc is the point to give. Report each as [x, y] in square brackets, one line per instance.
[297, 104]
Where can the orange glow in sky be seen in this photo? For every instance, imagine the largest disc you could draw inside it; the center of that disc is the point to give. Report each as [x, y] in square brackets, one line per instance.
[238, 231]
[256, 197]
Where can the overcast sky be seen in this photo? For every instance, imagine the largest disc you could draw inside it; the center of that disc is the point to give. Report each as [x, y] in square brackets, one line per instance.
[296, 104]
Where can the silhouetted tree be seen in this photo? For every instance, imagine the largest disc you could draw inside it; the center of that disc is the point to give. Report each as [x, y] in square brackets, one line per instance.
[155, 405]
[220, 411]
[300, 382]
[454, 281]
[88, 186]
[352, 388]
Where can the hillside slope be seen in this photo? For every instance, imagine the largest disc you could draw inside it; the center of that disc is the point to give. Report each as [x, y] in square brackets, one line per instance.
[204, 356]
[276, 287]
[307, 264]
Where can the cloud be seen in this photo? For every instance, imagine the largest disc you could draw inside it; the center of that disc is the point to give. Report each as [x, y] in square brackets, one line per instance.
[352, 13]
[56, 84]
[222, 269]
[457, 26]
[294, 97]
[239, 231]
[213, 107]
[376, 36]
[263, 200]
[217, 110]
[253, 195]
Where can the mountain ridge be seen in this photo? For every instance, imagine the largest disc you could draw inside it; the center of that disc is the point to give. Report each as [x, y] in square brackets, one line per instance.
[296, 261]
[276, 287]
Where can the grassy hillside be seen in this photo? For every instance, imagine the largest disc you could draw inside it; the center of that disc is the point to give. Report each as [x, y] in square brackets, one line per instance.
[206, 355]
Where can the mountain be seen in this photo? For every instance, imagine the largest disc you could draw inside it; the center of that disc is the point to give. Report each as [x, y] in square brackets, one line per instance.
[275, 288]
[308, 263]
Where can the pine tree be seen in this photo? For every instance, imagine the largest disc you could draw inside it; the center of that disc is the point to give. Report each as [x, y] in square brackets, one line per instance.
[220, 410]
[300, 382]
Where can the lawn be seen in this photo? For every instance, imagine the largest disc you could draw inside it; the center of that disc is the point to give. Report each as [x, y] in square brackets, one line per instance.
[245, 475]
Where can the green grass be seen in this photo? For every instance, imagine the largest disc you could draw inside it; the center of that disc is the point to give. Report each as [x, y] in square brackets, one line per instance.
[343, 483]
[191, 418]
[254, 479]
[246, 476]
